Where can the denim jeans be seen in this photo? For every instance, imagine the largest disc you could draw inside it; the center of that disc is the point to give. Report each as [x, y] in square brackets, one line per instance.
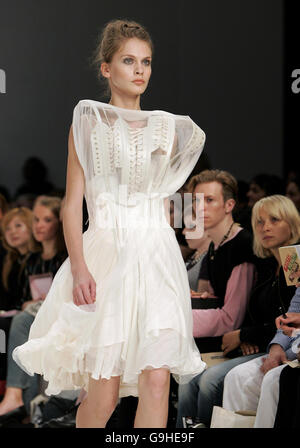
[199, 396]
[16, 377]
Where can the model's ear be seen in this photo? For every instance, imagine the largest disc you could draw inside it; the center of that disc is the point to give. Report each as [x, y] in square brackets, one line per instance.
[229, 205]
[105, 70]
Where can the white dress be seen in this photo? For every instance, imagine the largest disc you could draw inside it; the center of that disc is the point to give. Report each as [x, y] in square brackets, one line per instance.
[142, 318]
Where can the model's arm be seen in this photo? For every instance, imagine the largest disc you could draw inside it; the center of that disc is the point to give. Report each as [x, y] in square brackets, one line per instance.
[84, 287]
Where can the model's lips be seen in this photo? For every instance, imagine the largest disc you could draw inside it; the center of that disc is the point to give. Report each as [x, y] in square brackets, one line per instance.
[268, 237]
[139, 81]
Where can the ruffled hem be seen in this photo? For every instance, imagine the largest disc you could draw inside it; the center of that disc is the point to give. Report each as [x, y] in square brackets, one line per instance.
[66, 366]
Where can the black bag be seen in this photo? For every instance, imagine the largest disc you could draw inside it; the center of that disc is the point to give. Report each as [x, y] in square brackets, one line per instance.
[205, 304]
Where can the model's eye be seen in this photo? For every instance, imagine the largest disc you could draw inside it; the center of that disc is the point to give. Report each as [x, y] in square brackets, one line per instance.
[147, 62]
[128, 61]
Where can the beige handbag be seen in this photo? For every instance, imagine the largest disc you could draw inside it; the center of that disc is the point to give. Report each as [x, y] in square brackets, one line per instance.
[223, 418]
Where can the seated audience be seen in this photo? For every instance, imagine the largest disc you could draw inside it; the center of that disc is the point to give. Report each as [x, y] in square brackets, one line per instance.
[227, 271]
[246, 386]
[16, 228]
[47, 229]
[275, 223]
[288, 409]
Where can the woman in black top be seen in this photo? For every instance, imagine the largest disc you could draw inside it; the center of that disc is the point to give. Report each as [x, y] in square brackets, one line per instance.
[47, 229]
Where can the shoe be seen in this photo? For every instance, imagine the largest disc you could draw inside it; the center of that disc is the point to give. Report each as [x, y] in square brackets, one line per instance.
[199, 425]
[66, 421]
[17, 414]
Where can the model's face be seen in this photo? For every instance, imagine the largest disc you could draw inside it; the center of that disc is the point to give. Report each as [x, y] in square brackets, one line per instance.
[129, 71]
[215, 209]
[254, 194]
[45, 224]
[17, 234]
[292, 192]
[271, 231]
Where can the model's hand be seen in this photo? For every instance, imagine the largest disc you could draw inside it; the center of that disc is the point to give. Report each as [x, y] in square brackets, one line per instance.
[249, 349]
[288, 325]
[275, 358]
[84, 287]
[230, 341]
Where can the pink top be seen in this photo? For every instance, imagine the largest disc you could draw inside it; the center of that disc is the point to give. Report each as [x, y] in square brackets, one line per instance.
[216, 322]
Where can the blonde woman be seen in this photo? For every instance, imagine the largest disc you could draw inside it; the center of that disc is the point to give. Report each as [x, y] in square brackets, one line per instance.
[277, 224]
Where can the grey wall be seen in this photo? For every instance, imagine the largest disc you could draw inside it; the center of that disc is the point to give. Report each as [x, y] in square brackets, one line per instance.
[221, 64]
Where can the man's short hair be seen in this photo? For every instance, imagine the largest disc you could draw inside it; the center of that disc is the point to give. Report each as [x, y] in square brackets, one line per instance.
[227, 180]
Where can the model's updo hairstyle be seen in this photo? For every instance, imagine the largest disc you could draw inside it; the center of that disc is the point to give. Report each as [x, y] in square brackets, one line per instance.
[112, 37]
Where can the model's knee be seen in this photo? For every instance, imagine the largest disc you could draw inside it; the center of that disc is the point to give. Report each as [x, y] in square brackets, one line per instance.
[157, 383]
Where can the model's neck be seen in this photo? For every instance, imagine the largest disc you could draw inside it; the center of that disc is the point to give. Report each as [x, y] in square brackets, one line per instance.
[217, 233]
[125, 102]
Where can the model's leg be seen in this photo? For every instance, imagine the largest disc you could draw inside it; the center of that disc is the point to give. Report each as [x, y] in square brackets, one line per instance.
[268, 401]
[242, 386]
[187, 400]
[152, 410]
[97, 407]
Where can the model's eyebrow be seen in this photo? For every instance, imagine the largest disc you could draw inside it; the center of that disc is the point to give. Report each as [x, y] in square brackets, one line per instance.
[132, 56]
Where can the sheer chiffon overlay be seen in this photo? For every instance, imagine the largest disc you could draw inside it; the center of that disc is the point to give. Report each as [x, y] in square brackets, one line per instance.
[142, 319]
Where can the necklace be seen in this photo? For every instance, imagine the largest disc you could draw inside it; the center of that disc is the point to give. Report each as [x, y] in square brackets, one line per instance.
[193, 260]
[212, 247]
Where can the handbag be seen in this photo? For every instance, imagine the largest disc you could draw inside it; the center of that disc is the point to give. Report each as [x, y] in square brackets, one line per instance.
[205, 304]
[223, 418]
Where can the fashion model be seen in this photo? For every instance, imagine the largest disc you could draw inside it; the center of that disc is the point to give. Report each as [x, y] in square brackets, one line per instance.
[117, 320]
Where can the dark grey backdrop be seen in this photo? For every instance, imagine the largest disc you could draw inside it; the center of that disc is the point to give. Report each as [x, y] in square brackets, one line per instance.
[221, 62]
